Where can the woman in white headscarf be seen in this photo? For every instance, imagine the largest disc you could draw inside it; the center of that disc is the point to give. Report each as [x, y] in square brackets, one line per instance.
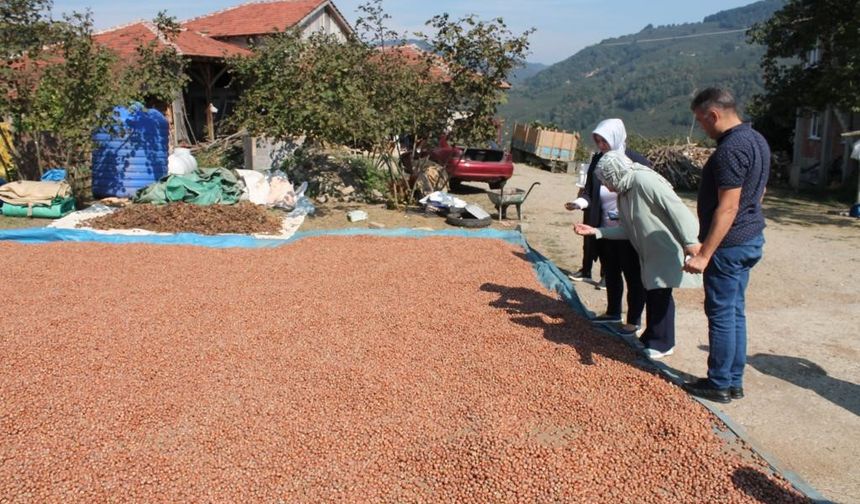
[618, 258]
[662, 230]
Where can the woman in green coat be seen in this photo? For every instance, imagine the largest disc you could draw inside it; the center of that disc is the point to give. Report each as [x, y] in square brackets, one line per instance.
[662, 230]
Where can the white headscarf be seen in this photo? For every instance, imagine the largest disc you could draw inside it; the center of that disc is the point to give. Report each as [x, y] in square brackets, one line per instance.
[612, 130]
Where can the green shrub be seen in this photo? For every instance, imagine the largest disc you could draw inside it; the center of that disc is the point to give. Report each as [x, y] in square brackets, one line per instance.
[369, 176]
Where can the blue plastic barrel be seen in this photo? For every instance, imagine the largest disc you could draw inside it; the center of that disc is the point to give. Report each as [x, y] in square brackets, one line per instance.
[130, 155]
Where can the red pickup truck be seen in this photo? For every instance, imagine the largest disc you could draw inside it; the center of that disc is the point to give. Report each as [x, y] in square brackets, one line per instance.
[493, 166]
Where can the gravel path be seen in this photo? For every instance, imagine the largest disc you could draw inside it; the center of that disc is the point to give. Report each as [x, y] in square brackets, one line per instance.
[354, 369]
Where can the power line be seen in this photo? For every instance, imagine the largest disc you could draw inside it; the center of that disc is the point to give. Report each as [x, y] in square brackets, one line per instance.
[675, 38]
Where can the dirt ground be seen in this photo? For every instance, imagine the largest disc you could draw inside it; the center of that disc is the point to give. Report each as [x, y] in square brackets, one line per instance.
[802, 385]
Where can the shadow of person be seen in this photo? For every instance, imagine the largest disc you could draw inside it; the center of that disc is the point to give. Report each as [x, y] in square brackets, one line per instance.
[760, 487]
[530, 308]
[809, 375]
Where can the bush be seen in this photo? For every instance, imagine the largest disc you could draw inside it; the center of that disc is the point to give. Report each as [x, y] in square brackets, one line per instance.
[368, 175]
[221, 154]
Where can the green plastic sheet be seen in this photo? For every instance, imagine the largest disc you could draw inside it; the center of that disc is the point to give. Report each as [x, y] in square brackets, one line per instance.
[204, 186]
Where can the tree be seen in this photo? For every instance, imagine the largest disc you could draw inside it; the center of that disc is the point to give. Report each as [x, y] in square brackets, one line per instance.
[25, 28]
[58, 85]
[75, 94]
[832, 27]
[329, 90]
[479, 55]
[158, 74]
[369, 90]
[294, 86]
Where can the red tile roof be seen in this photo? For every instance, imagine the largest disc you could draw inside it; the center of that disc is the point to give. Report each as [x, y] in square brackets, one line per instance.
[414, 56]
[255, 18]
[124, 40]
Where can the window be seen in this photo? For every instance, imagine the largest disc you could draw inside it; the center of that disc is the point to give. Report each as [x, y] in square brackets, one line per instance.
[815, 126]
[813, 56]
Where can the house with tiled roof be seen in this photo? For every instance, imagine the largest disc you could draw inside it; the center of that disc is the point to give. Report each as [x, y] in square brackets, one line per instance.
[124, 41]
[207, 41]
[242, 24]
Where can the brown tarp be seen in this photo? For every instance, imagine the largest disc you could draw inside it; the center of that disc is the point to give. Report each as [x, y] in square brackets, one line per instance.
[25, 193]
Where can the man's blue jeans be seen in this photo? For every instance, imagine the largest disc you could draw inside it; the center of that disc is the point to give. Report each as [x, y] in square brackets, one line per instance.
[726, 279]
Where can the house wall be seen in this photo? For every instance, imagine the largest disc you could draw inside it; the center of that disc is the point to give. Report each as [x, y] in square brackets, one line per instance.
[810, 154]
[324, 22]
[225, 98]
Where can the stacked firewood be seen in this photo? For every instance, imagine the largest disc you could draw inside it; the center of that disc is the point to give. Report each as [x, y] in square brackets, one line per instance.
[680, 164]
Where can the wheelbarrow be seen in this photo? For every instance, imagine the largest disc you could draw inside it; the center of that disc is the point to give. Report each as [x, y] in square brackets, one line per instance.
[507, 197]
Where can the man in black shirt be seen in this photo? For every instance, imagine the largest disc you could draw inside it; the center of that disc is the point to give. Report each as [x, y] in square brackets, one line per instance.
[731, 227]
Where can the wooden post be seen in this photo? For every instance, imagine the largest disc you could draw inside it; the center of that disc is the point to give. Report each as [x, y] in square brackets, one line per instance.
[826, 143]
[171, 126]
[210, 119]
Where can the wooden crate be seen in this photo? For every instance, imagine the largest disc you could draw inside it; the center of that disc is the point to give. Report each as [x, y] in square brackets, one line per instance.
[550, 145]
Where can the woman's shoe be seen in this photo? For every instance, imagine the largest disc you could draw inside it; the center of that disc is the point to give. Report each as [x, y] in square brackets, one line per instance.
[657, 354]
[607, 319]
[579, 276]
[629, 329]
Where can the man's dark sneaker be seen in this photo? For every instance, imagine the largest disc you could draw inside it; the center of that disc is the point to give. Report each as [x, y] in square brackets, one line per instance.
[704, 389]
[734, 392]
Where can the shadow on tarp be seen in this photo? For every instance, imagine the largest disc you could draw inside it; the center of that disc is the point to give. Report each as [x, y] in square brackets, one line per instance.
[529, 307]
[760, 487]
[549, 275]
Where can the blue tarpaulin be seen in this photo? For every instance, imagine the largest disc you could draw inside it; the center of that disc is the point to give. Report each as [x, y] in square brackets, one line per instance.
[548, 274]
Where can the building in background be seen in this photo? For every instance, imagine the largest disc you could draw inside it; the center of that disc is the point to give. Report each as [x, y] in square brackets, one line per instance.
[207, 41]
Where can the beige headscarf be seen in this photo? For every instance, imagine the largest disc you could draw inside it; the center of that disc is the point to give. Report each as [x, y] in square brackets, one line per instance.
[616, 170]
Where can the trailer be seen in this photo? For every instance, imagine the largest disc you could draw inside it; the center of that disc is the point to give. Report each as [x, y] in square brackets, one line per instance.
[554, 150]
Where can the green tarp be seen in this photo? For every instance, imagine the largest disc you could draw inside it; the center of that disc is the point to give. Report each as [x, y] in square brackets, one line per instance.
[204, 186]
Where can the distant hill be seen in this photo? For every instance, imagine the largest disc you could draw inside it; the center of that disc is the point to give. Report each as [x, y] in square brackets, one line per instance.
[647, 78]
[525, 72]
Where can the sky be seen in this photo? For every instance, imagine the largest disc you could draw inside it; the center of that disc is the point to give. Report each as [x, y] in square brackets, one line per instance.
[563, 26]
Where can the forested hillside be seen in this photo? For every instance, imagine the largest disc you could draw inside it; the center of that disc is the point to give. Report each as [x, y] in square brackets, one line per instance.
[646, 78]
[527, 71]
